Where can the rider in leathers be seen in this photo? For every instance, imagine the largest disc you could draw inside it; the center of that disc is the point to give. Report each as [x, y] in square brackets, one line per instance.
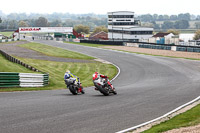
[69, 75]
[98, 78]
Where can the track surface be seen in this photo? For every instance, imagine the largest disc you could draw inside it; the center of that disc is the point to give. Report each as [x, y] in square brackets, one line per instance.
[147, 86]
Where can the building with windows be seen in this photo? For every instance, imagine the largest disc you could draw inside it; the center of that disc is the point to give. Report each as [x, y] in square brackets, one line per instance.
[123, 26]
[164, 38]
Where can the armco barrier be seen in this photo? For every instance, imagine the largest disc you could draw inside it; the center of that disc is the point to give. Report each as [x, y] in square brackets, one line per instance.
[10, 79]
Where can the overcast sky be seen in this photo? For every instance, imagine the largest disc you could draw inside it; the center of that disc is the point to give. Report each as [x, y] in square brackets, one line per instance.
[101, 6]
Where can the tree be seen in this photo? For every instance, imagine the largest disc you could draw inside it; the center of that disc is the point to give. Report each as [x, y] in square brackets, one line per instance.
[185, 16]
[160, 17]
[12, 24]
[147, 24]
[82, 28]
[23, 24]
[165, 17]
[41, 22]
[197, 25]
[197, 35]
[173, 17]
[175, 32]
[0, 20]
[56, 23]
[100, 28]
[155, 17]
[168, 25]
[181, 24]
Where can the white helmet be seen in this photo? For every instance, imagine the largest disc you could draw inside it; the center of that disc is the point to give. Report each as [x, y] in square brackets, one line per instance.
[67, 71]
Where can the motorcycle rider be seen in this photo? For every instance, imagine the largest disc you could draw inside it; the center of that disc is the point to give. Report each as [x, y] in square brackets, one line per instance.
[69, 75]
[98, 78]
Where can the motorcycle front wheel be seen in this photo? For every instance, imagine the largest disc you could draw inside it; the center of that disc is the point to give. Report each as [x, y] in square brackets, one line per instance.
[114, 92]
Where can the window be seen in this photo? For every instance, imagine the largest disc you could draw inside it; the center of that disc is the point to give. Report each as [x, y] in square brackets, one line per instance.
[120, 16]
[132, 32]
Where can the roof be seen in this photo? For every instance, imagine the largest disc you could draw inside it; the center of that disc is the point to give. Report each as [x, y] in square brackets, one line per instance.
[121, 12]
[160, 34]
[94, 34]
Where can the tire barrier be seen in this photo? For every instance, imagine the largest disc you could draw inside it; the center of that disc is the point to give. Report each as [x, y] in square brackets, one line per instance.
[22, 79]
[188, 49]
[8, 40]
[155, 46]
[10, 79]
[105, 42]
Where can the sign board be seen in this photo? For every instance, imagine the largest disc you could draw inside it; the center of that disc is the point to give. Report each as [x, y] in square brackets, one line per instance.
[45, 29]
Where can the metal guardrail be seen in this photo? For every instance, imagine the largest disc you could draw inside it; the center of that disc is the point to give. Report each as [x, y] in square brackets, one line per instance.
[10, 79]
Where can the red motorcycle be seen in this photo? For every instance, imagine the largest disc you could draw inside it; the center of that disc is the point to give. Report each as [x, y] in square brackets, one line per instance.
[74, 87]
[104, 86]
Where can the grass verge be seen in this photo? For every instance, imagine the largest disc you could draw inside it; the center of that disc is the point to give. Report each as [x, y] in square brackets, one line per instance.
[56, 52]
[189, 118]
[56, 72]
[7, 66]
[8, 34]
[155, 55]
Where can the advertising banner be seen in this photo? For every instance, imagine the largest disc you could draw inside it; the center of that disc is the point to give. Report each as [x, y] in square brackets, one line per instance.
[45, 29]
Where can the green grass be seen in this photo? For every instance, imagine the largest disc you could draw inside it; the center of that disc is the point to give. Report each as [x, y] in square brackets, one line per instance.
[88, 44]
[7, 66]
[8, 34]
[56, 72]
[189, 118]
[56, 52]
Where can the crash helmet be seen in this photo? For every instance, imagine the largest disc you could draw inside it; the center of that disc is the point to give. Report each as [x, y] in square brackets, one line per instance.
[96, 73]
[67, 71]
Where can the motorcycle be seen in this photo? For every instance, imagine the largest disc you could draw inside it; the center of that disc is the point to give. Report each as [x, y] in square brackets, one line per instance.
[74, 86]
[105, 87]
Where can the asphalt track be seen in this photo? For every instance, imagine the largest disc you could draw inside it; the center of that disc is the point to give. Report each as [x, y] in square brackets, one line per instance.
[148, 87]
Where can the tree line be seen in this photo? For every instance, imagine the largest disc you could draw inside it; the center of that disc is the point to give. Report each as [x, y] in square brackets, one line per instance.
[86, 23]
[15, 20]
[156, 17]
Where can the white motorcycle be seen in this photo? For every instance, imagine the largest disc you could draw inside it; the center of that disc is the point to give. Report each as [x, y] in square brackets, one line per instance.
[105, 87]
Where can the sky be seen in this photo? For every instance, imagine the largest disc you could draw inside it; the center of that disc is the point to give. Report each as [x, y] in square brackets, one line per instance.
[168, 7]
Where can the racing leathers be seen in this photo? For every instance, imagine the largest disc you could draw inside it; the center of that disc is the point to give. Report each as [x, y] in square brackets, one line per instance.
[69, 75]
[101, 79]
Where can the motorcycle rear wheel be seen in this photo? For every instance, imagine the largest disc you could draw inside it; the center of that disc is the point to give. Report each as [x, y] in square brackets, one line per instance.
[104, 91]
[73, 90]
[82, 90]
